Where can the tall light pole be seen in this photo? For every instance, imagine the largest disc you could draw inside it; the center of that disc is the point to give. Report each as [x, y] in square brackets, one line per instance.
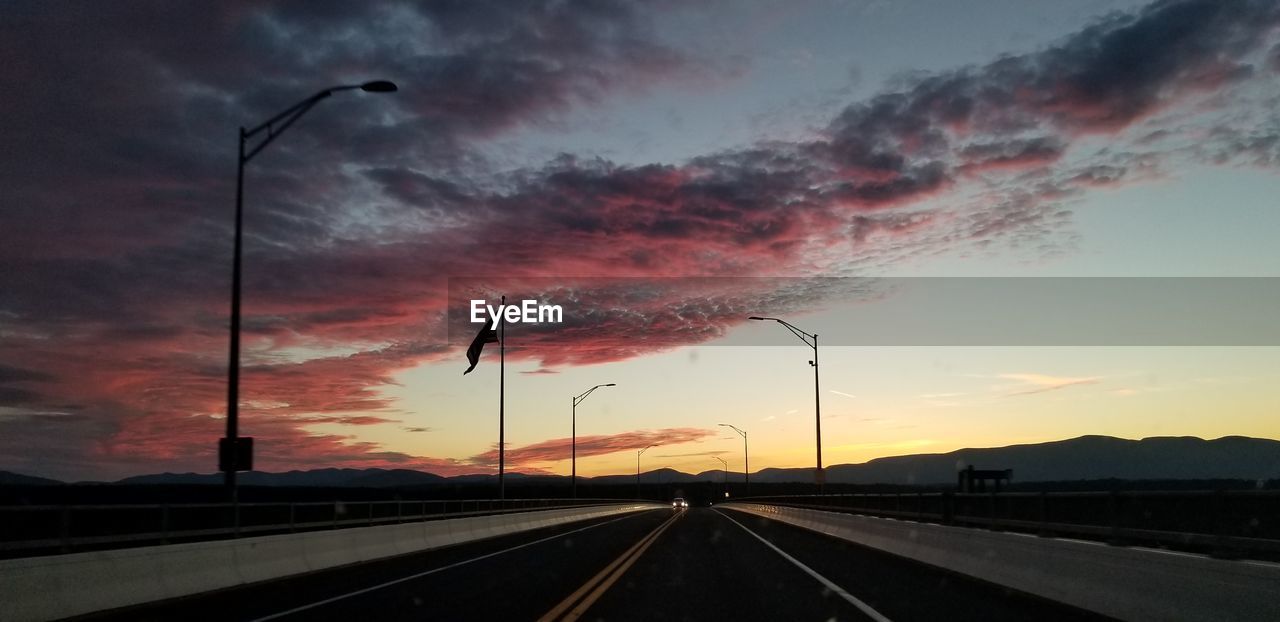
[810, 340]
[746, 463]
[638, 454]
[578, 400]
[724, 485]
[236, 453]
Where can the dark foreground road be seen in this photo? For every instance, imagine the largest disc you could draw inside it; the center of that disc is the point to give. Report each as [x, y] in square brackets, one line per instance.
[701, 564]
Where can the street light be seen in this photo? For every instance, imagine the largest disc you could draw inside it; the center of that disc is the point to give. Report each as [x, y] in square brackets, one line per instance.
[577, 400]
[638, 453]
[725, 484]
[746, 464]
[810, 340]
[235, 453]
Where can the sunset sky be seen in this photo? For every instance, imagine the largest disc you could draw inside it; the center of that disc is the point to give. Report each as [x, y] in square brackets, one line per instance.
[629, 143]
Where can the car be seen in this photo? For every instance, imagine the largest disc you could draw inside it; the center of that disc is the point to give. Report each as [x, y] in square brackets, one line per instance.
[679, 504]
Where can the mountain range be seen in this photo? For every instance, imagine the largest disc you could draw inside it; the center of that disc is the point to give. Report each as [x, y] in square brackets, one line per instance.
[1082, 458]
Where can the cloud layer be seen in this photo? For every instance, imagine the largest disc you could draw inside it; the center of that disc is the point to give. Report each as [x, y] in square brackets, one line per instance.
[118, 177]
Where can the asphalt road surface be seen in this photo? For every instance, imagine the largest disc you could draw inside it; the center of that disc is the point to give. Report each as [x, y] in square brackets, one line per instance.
[698, 564]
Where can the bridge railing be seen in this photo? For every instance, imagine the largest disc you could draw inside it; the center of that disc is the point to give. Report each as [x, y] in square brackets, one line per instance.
[27, 530]
[1224, 522]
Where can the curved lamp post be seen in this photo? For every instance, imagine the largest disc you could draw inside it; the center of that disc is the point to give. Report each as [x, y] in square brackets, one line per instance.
[810, 340]
[638, 454]
[236, 453]
[746, 464]
[578, 400]
[725, 484]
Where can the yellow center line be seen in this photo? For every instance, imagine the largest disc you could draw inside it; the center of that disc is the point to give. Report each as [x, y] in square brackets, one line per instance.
[605, 578]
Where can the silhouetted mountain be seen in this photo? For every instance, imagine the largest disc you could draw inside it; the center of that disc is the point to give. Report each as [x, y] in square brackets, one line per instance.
[718, 475]
[370, 478]
[656, 476]
[8, 478]
[1083, 458]
[174, 478]
[475, 478]
[377, 478]
[1086, 457]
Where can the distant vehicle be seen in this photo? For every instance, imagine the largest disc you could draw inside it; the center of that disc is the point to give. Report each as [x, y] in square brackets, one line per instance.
[679, 504]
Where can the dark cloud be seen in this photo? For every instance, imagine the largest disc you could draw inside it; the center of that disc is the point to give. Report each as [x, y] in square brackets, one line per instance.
[16, 396]
[9, 373]
[119, 163]
[1258, 146]
[422, 190]
[1014, 153]
[1099, 175]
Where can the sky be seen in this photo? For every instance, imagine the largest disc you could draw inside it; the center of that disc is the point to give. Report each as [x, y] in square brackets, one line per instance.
[663, 170]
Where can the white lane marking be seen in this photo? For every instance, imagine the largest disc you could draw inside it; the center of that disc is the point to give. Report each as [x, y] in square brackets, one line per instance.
[419, 575]
[854, 600]
[1147, 549]
[1076, 541]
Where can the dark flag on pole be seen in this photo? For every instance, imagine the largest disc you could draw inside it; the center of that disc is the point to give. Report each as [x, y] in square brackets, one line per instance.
[489, 335]
[486, 335]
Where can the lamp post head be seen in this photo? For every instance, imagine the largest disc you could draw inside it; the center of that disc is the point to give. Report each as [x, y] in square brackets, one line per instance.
[609, 385]
[735, 429]
[755, 318]
[379, 86]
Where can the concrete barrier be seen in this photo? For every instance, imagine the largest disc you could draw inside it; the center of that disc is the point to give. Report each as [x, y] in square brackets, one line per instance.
[59, 586]
[1124, 583]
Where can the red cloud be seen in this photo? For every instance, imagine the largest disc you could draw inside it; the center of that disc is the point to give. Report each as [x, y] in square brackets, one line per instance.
[598, 445]
[116, 230]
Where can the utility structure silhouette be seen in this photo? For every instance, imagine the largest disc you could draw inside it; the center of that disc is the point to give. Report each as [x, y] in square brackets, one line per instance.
[746, 461]
[811, 340]
[724, 484]
[574, 458]
[235, 453]
[638, 454]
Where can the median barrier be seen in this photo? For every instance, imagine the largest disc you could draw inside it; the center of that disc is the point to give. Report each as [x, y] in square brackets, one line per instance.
[59, 586]
[1121, 582]
[258, 559]
[369, 544]
[487, 529]
[433, 537]
[181, 571]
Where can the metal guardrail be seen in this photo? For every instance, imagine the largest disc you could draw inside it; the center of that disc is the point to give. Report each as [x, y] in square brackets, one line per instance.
[1225, 523]
[28, 530]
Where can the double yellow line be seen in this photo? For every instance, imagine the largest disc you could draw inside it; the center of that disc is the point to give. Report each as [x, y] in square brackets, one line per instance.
[594, 588]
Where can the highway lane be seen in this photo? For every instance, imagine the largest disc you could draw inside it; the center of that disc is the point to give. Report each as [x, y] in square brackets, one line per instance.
[513, 577]
[706, 568]
[715, 565]
[904, 590]
[700, 564]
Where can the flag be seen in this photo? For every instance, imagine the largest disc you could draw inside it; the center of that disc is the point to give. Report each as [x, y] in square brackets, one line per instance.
[486, 335]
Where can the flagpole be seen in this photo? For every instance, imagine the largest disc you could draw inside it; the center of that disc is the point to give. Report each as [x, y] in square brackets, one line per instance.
[502, 398]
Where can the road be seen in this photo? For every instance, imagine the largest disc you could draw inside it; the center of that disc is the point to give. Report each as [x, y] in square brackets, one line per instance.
[699, 564]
